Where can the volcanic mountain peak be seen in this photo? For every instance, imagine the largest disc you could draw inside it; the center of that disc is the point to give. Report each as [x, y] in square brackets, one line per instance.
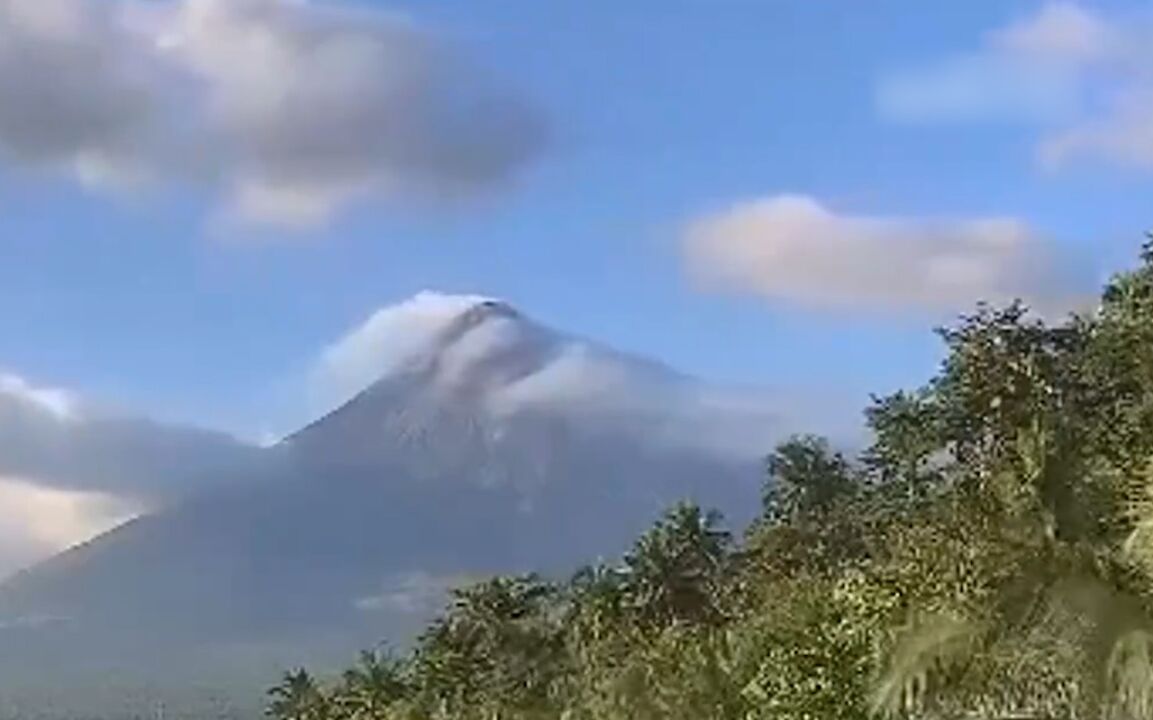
[476, 441]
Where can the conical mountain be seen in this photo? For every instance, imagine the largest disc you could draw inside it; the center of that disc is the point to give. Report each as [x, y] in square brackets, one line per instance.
[491, 444]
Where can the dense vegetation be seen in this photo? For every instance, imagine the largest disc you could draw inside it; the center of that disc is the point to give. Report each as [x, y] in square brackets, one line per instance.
[990, 555]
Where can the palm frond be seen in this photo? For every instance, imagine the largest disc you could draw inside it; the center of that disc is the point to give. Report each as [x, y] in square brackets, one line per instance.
[1138, 547]
[1130, 673]
[925, 650]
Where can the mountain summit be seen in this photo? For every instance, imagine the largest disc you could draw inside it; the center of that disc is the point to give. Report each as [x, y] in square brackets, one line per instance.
[483, 443]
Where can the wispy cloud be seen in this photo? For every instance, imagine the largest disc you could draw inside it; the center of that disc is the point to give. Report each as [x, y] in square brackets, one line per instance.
[50, 436]
[38, 521]
[70, 470]
[1078, 75]
[522, 368]
[386, 340]
[291, 109]
[56, 402]
[793, 249]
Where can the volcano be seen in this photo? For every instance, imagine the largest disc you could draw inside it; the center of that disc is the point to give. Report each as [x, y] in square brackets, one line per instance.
[491, 444]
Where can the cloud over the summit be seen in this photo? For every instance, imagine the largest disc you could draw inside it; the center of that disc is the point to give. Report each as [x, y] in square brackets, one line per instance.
[387, 339]
[1077, 74]
[290, 109]
[793, 249]
[526, 367]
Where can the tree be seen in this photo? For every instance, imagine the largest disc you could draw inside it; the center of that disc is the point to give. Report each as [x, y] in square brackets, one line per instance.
[370, 688]
[500, 642]
[806, 480]
[812, 517]
[672, 574]
[596, 603]
[298, 697]
[906, 457]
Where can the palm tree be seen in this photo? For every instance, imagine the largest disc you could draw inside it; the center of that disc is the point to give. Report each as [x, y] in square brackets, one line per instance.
[298, 697]
[372, 686]
[596, 603]
[673, 572]
[806, 480]
[500, 641]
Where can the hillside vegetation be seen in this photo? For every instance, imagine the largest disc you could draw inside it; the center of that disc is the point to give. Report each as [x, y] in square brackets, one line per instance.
[990, 555]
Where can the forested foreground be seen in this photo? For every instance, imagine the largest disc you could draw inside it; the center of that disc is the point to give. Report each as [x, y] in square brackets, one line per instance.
[990, 555]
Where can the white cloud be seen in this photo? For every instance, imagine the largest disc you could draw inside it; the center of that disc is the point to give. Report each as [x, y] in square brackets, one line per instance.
[416, 593]
[1078, 75]
[37, 522]
[57, 402]
[292, 109]
[793, 249]
[1062, 32]
[977, 88]
[1122, 136]
[51, 435]
[70, 470]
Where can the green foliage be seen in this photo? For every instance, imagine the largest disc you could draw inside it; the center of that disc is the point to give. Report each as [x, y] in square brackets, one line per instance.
[989, 556]
[675, 571]
[806, 481]
[298, 697]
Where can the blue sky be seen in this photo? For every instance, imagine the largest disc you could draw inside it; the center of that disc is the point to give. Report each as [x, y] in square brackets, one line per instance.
[658, 114]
